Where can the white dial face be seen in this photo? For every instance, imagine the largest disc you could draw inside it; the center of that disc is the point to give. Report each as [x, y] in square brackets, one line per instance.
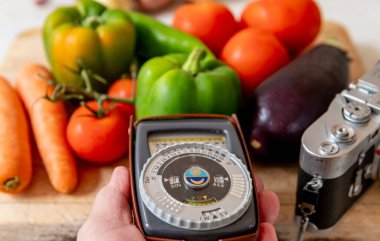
[196, 186]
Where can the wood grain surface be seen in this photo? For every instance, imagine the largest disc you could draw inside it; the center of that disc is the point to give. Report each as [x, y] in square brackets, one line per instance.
[42, 214]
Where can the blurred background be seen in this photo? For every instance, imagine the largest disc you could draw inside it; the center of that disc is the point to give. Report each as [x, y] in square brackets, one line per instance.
[361, 19]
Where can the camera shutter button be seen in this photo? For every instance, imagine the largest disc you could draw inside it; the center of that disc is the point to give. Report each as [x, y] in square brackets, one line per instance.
[342, 133]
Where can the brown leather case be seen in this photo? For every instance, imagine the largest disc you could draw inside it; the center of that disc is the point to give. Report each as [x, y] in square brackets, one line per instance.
[233, 119]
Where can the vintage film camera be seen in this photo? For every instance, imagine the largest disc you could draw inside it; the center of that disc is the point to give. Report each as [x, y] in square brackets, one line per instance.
[339, 156]
[192, 179]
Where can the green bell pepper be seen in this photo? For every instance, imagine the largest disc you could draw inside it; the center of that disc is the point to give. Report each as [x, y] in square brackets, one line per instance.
[157, 39]
[181, 83]
[88, 36]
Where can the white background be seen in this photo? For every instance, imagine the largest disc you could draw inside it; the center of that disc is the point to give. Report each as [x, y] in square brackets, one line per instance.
[360, 17]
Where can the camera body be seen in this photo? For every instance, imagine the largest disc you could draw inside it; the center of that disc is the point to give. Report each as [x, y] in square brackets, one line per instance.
[191, 179]
[339, 156]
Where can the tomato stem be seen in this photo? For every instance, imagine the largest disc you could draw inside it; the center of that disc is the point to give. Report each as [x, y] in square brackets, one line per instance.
[64, 92]
[101, 111]
[126, 101]
[83, 103]
[67, 92]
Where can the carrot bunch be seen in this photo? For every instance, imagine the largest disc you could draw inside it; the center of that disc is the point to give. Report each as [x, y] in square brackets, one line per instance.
[48, 122]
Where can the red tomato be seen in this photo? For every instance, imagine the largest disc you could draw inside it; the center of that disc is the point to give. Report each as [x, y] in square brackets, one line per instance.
[295, 23]
[123, 88]
[211, 22]
[254, 55]
[96, 139]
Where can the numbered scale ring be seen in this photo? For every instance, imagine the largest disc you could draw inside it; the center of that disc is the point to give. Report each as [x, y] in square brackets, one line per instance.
[196, 186]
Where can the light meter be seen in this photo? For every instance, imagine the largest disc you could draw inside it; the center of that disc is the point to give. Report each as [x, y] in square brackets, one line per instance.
[192, 179]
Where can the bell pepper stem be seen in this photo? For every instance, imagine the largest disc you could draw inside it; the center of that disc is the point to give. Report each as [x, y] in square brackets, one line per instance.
[92, 22]
[192, 64]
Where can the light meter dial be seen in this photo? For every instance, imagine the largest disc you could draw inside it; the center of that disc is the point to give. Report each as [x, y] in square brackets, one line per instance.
[196, 186]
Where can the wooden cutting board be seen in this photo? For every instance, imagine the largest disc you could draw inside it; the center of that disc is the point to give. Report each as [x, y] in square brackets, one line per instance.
[42, 214]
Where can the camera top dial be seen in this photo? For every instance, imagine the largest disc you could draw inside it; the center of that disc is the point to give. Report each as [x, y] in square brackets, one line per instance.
[356, 112]
[196, 186]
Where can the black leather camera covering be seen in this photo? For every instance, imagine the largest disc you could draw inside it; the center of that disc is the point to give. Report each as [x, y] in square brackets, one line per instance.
[333, 198]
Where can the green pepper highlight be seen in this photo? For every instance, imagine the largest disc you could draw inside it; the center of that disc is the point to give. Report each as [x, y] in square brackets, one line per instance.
[88, 36]
[181, 83]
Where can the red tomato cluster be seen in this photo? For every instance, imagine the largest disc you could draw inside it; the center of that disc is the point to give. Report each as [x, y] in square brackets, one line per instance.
[211, 22]
[294, 22]
[102, 139]
[268, 33]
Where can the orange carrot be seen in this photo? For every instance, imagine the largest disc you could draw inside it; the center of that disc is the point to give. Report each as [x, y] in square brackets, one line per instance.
[15, 150]
[48, 121]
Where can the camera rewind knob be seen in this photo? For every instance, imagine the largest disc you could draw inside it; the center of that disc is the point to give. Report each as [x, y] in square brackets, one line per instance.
[356, 112]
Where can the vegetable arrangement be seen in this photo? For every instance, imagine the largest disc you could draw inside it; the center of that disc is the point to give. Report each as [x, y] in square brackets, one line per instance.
[171, 70]
[269, 32]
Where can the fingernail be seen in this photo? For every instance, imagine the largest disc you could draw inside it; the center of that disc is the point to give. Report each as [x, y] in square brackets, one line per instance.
[117, 173]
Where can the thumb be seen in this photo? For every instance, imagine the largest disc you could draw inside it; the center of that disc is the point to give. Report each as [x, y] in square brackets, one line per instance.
[111, 202]
[267, 232]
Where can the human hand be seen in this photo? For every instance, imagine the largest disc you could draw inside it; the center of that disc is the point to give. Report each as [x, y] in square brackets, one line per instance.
[111, 217]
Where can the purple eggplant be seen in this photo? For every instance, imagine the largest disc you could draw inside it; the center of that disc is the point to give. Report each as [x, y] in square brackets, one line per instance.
[285, 104]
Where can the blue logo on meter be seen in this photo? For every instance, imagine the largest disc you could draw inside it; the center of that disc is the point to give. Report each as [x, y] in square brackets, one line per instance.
[196, 177]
